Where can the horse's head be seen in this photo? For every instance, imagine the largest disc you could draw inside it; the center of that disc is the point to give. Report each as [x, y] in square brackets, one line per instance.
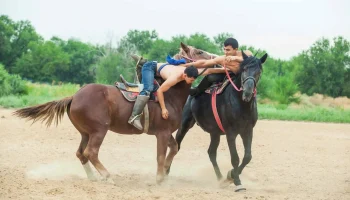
[191, 54]
[251, 69]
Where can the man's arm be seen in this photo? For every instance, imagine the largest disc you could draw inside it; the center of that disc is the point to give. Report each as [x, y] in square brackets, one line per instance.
[215, 71]
[171, 81]
[233, 58]
[205, 63]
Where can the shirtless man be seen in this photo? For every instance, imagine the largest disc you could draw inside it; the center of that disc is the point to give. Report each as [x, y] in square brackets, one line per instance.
[172, 75]
[231, 60]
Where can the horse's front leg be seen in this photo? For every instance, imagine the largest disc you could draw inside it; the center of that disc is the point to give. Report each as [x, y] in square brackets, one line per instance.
[247, 138]
[233, 174]
[187, 122]
[162, 145]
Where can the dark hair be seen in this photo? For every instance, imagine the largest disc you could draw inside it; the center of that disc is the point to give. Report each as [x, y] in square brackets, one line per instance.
[191, 72]
[231, 42]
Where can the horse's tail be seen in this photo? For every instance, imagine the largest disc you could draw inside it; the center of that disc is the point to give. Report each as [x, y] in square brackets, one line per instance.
[53, 110]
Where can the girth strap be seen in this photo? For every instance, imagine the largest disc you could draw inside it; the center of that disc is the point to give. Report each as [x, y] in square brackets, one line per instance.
[215, 111]
[146, 113]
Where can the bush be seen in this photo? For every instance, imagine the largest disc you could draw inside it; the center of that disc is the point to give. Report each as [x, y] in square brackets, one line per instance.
[264, 87]
[283, 90]
[11, 84]
[110, 67]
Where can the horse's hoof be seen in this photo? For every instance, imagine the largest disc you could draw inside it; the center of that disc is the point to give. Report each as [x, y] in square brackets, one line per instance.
[160, 179]
[108, 180]
[167, 171]
[240, 188]
[229, 177]
[225, 183]
[92, 178]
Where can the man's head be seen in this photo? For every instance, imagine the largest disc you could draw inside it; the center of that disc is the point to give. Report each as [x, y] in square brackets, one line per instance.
[190, 74]
[230, 47]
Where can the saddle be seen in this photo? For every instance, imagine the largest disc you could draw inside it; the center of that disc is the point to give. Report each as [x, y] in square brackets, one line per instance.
[130, 91]
[219, 87]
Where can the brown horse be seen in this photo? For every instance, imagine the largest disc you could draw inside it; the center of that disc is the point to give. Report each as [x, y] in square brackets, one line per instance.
[97, 108]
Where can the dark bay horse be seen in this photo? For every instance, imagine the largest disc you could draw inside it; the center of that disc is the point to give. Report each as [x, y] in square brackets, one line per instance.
[237, 111]
[96, 108]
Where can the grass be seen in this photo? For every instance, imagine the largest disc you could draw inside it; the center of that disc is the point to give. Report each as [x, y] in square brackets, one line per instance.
[42, 93]
[38, 94]
[314, 114]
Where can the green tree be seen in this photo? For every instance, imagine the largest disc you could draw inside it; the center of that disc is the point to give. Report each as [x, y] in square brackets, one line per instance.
[110, 67]
[324, 68]
[220, 39]
[142, 40]
[44, 62]
[82, 58]
[14, 40]
[201, 41]
[160, 49]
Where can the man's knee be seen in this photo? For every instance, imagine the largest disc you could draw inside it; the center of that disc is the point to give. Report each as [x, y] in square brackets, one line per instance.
[215, 77]
[145, 92]
[148, 65]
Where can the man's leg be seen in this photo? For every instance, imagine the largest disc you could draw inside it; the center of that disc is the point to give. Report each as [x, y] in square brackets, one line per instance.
[148, 71]
[206, 82]
[138, 59]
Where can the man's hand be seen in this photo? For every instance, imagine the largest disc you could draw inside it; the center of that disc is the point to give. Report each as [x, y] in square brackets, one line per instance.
[165, 113]
[231, 58]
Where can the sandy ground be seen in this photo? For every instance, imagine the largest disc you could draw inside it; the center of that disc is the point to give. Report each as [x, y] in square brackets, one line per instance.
[291, 160]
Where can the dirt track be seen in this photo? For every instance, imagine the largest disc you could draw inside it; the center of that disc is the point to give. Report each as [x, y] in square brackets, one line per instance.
[291, 160]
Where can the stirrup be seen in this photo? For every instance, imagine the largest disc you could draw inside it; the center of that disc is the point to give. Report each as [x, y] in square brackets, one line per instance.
[133, 119]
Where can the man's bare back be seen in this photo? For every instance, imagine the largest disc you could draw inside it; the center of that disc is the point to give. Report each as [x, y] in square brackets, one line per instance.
[172, 70]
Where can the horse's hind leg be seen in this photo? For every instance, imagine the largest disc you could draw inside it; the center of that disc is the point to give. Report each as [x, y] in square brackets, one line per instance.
[173, 151]
[212, 150]
[92, 149]
[162, 146]
[84, 160]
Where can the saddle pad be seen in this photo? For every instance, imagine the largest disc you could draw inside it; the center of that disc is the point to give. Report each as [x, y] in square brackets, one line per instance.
[132, 96]
[219, 88]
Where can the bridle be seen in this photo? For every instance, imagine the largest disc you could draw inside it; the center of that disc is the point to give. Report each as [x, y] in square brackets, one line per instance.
[242, 81]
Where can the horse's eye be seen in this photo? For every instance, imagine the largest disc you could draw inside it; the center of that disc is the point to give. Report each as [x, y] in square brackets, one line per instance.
[200, 52]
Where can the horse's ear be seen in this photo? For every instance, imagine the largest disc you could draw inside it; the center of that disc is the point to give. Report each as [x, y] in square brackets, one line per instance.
[185, 47]
[263, 58]
[244, 55]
